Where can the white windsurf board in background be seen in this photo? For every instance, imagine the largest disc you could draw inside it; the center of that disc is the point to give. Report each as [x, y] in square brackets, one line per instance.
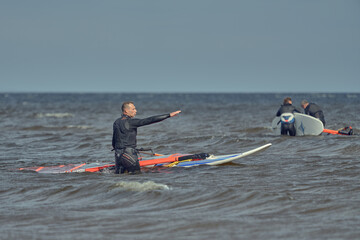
[304, 125]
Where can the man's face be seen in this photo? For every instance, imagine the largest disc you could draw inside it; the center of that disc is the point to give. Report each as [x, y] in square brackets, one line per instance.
[130, 110]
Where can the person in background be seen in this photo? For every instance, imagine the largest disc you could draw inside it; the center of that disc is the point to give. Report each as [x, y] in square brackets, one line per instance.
[287, 119]
[124, 137]
[313, 110]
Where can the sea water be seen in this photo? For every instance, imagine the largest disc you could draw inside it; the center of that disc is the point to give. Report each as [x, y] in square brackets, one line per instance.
[300, 188]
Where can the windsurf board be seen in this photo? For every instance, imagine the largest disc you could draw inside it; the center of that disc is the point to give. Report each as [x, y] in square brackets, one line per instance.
[164, 161]
[304, 125]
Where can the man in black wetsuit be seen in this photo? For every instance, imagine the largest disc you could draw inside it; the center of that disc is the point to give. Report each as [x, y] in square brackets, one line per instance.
[285, 113]
[124, 137]
[313, 110]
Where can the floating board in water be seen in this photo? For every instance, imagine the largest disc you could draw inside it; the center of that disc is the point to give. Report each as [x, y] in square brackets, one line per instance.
[99, 166]
[173, 160]
[304, 125]
[221, 159]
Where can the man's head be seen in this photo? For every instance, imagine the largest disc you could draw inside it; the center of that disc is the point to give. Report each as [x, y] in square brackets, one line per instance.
[128, 109]
[304, 104]
[287, 100]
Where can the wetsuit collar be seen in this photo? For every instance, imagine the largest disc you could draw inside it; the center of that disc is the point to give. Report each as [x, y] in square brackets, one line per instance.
[123, 116]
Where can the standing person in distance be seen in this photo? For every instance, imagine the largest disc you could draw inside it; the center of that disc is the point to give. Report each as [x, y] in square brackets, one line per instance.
[287, 119]
[313, 110]
[124, 137]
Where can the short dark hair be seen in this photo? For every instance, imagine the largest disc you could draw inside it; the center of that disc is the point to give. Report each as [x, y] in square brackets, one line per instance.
[125, 105]
[287, 100]
[304, 102]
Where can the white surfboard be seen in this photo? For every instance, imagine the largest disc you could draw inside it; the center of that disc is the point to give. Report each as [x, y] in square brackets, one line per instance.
[221, 159]
[304, 125]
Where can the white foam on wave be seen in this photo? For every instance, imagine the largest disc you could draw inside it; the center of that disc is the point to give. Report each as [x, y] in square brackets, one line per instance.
[54, 115]
[141, 187]
[79, 126]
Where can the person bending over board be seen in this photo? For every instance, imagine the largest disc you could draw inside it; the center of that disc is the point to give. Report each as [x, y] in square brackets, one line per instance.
[313, 110]
[287, 119]
[124, 137]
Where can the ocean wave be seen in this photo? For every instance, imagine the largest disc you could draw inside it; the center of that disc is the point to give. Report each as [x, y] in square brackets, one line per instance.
[54, 115]
[55, 128]
[351, 149]
[79, 126]
[256, 129]
[141, 187]
[38, 128]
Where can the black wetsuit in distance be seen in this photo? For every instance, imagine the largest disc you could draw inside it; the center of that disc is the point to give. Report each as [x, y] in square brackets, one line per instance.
[124, 141]
[287, 127]
[314, 110]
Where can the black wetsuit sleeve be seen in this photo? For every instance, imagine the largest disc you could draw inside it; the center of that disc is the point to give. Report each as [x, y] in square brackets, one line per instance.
[306, 110]
[134, 123]
[313, 109]
[296, 110]
[278, 112]
[116, 134]
[113, 141]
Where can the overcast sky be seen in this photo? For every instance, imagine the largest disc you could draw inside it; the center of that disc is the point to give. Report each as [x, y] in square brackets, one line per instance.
[180, 46]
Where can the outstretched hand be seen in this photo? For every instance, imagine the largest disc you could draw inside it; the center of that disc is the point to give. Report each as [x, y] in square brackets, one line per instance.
[173, 114]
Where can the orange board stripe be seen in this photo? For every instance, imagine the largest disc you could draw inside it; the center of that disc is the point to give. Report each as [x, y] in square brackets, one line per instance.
[330, 131]
[96, 169]
[39, 169]
[171, 158]
[77, 167]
